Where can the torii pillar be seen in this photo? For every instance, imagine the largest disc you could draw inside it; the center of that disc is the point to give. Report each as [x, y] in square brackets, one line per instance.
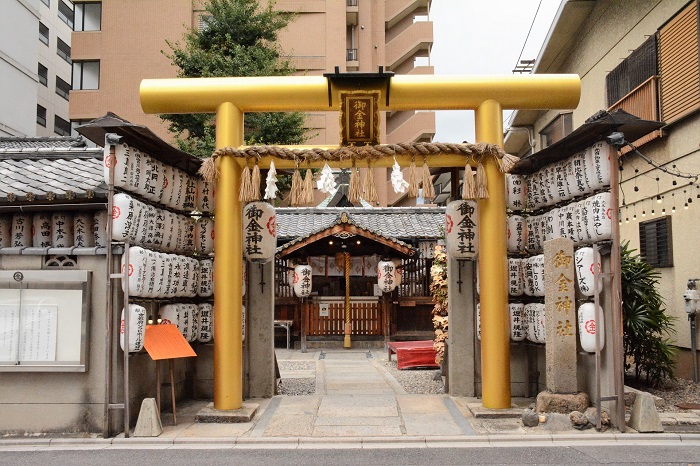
[230, 98]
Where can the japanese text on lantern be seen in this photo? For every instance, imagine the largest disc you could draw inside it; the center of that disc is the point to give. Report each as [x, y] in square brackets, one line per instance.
[306, 281]
[564, 271]
[359, 115]
[466, 228]
[253, 235]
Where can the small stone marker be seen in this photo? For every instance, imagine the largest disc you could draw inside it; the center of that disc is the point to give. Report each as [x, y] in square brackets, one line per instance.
[148, 423]
[644, 416]
[560, 311]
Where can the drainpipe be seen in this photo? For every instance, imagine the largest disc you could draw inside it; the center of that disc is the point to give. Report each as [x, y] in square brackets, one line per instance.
[530, 135]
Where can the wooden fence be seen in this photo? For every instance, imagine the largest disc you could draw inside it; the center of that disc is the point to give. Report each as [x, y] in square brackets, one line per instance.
[366, 318]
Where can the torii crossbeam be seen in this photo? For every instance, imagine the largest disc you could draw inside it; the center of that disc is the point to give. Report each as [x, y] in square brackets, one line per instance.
[230, 98]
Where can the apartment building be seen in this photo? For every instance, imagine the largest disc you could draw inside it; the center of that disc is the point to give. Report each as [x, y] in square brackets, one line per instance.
[35, 67]
[640, 56]
[121, 43]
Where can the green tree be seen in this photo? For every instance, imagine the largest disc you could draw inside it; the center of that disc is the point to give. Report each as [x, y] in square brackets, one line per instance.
[645, 322]
[239, 38]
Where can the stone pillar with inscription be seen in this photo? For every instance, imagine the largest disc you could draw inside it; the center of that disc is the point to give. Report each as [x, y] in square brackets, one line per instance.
[560, 312]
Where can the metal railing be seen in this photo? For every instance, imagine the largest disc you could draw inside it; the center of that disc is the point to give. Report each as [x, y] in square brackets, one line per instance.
[351, 55]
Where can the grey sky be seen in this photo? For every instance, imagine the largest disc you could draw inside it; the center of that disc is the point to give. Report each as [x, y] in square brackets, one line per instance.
[483, 37]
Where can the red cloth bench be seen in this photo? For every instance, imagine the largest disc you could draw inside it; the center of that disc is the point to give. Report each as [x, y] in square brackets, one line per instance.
[413, 353]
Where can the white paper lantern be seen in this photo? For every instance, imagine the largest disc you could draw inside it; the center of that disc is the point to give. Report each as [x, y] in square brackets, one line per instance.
[515, 277]
[178, 241]
[302, 280]
[516, 192]
[588, 218]
[551, 222]
[170, 314]
[185, 322]
[137, 272]
[83, 236]
[137, 328]
[204, 233]
[99, 228]
[516, 230]
[150, 288]
[183, 285]
[62, 230]
[581, 184]
[530, 313]
[189, 202]
[193, 328]
[535, 315]
[386, 276]
[154, 180]
[135, 166]
[41, 230]
[540, 324]
[259, 232]
[120, 162]
[534, 234]
[598, 162]
[169, 231]
[549, 179]
[5, 231]
[584, 260]
[600, 226]
[542, 179]
[533, 192]
[205, 196]
[147, 187]
[169, 290]
[528, 277]
[580, 224]
[206, 270]
[177, 201]
[570, 178]
[516, 311]
[571, 222]
[123, 216]
[168, 185]
[561, 230]
[562, 188]
[158, 179]
[588, 327]
[205, 330]
[537, 274]
[160, 279]
[461, 229]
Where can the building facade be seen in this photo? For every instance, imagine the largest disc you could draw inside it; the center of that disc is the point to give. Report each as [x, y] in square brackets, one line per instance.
[121, 45]
[35, 69]
[641, 57]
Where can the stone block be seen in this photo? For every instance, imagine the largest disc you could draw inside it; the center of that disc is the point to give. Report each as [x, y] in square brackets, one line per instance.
[148, 423]
[548, 402]
[244, 414]
[644, 417]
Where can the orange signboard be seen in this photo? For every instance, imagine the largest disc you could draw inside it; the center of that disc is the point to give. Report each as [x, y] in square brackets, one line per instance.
[166, 342]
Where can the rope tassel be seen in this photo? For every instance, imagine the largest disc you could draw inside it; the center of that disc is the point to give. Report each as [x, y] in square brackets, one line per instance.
[412, 181]
[428, 189]
[295, 191]
[369, 191]
[244, 193]
[308, 191]
[255, 183]
[468, 186]
[481, 188]
[208, 170]
[355, 188]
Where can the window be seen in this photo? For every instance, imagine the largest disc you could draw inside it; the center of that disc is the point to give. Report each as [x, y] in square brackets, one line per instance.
[204, 22]
[65, 13]
[43, 75]
[678, 65]
[63, 50]
[41, 115]
[639, 66]
[556, 130]
[655, 242]
[86, 75]
[61, 126]
[43, 33]
[62, 88]
[87, 16]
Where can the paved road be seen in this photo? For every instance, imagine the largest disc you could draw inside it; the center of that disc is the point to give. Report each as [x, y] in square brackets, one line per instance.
[574, 453]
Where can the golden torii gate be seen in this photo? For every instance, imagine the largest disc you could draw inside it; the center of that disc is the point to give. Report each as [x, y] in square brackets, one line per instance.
[230, 98]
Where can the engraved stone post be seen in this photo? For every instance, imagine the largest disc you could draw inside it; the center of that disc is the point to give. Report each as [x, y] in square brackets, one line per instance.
[560, 311]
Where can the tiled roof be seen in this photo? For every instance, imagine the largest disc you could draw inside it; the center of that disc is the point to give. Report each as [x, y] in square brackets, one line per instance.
[51, 174]
[398, 222]
[14, 143]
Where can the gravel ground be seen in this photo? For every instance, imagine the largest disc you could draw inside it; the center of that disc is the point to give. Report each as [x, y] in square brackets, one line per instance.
[678, 391]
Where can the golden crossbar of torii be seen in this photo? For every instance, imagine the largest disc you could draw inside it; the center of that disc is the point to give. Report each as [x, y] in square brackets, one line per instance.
[231, 97]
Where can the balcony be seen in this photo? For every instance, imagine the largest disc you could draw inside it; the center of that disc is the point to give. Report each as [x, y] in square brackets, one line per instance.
[351, 12]
[415, 41]
[397, 10]
[642, 102]
[410, 127]
[352, 63]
